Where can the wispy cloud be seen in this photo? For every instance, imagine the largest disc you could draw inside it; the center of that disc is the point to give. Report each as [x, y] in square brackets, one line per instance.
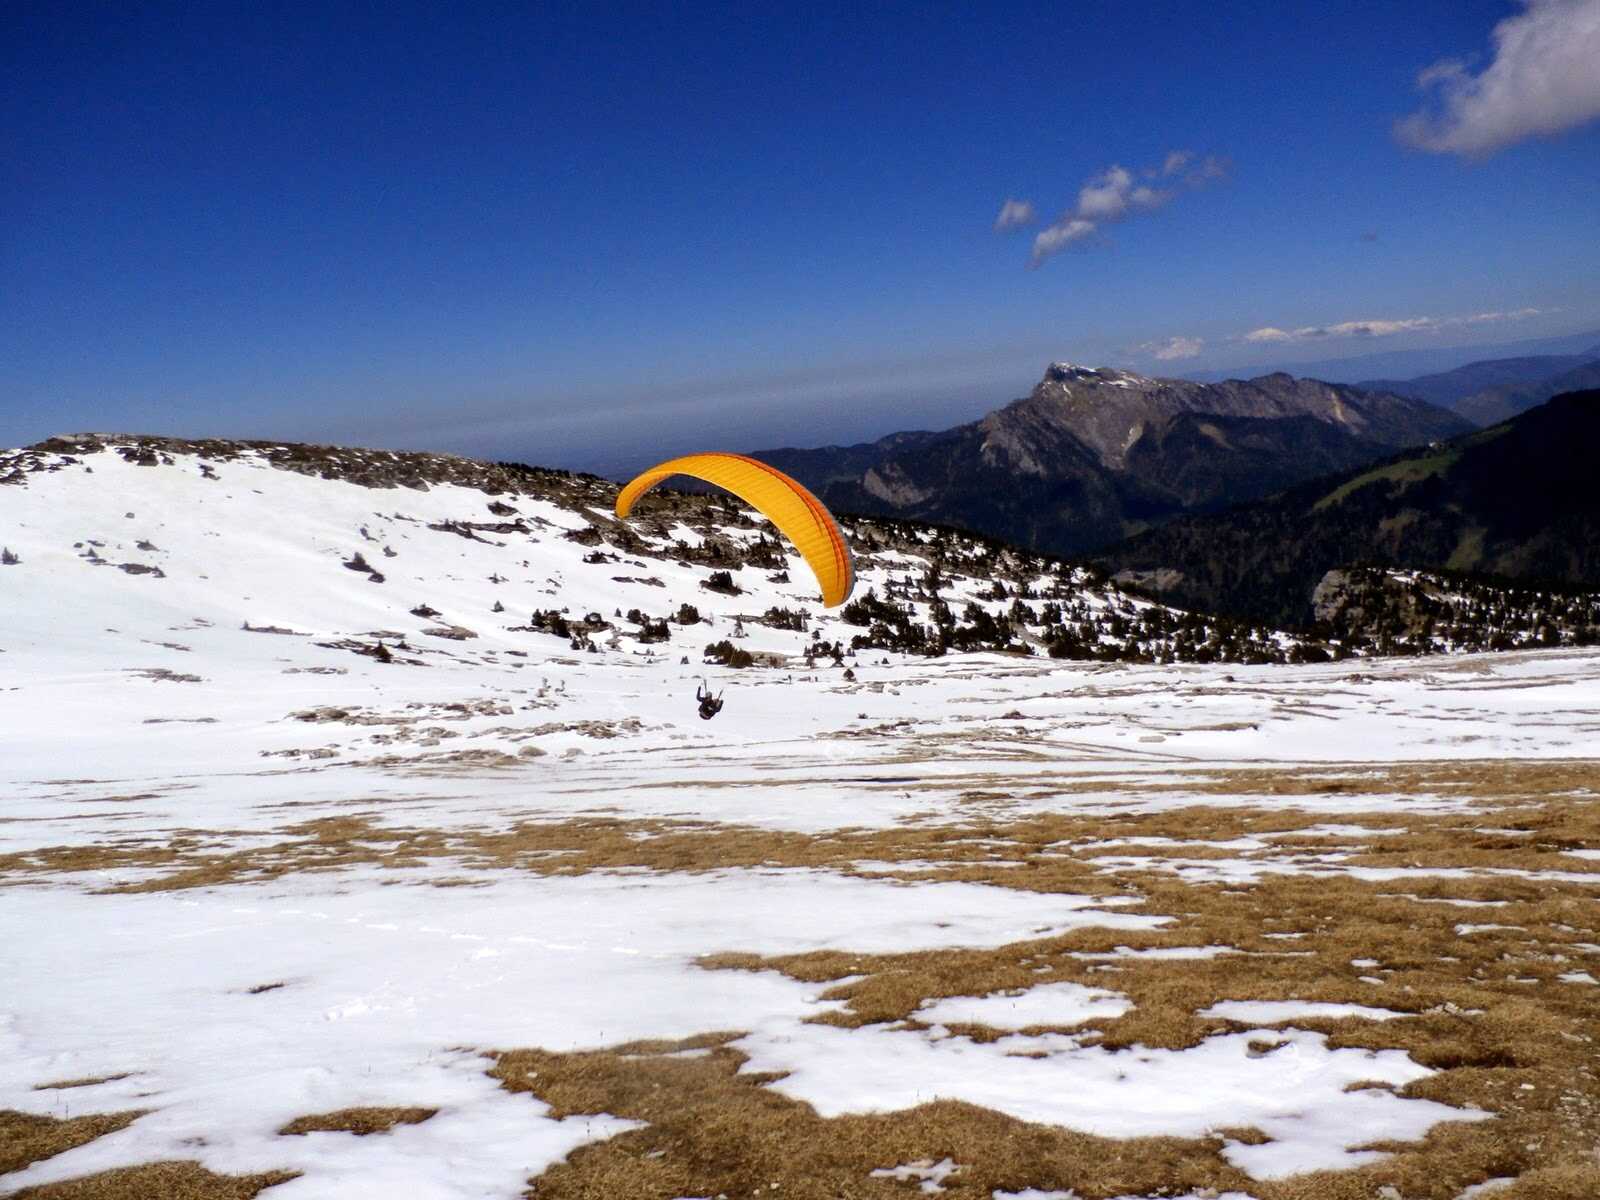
[1378, 328]
[1382, 327]
[1015, 214]
[1059, 236]
[1167, 349]
[1545, 78]
[1176, 161]
[1116, 194]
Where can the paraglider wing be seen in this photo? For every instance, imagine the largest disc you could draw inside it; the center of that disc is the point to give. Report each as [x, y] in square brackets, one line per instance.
[798, 514]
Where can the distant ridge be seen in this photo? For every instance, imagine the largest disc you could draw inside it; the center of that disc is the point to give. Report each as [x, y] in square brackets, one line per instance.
[1515, 501]
[1499, 388]
[1093, 455]
[1405, 364]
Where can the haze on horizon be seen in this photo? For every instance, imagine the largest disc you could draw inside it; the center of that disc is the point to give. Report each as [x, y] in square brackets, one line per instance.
[585, 237]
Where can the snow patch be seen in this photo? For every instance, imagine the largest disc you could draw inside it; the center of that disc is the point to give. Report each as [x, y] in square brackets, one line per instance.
[1062, 1004]
[929, 1174]
[1271, 1012]
[1294, 1094]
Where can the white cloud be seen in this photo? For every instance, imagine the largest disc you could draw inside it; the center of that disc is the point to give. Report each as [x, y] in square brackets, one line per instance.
[1545, 78]
[1174, 347]
[1106, 195]
[1382, 327]
[1059, 236]
[1112, 195]
[1015, 214]
[1515, 314]
[1109, 196]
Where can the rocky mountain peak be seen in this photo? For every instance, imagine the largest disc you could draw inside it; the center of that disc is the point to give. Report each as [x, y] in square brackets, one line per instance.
[1074, 373]
[1095, 453]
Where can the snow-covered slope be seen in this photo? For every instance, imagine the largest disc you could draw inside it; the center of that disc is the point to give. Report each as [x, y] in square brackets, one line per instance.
[254, 869]
[367, 544]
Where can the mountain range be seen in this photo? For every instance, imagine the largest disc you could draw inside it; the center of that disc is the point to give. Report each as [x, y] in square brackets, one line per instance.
[1514, 501]
[1092, 456]
[1493, 390]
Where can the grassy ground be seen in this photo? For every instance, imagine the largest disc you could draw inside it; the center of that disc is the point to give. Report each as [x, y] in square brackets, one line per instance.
[1487, 1008]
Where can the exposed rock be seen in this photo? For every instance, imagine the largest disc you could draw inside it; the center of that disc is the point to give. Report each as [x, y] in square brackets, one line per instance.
[1159, 580]
[162, 675]
[454, 633]
[888, 482]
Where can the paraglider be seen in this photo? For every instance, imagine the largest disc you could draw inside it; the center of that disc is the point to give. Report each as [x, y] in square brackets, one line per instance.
[710, 705]
[799, 515]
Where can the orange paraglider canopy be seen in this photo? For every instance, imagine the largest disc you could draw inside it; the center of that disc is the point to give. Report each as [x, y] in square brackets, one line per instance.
[799, 515]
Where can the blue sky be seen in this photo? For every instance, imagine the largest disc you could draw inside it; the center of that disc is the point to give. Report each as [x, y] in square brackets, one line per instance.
[580, 236]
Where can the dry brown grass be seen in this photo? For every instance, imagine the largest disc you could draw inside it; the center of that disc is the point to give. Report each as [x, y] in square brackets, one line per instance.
[1526, 1052]
[158, 1181]
[359, 1121]
[1487, 1010]
[26, 1138]
[710, 1130]
[1514, 794]
[1500, 781]
[88, 1081]
[555, 848]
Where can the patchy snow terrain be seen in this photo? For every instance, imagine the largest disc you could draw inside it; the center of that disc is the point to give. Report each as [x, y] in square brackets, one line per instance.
[357, 841]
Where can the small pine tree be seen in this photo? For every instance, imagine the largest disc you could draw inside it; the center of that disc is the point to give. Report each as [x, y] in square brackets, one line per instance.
[7, 558]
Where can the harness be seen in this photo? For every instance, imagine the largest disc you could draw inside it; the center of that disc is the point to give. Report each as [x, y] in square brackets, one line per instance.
[710, 705]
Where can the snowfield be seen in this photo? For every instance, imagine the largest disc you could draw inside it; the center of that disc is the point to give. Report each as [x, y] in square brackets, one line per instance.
[251, 872]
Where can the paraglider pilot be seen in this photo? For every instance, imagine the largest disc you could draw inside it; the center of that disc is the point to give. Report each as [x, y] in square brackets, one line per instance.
[710, 705]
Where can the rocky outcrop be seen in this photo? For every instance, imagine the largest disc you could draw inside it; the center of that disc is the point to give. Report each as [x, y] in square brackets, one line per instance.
[364, 467]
